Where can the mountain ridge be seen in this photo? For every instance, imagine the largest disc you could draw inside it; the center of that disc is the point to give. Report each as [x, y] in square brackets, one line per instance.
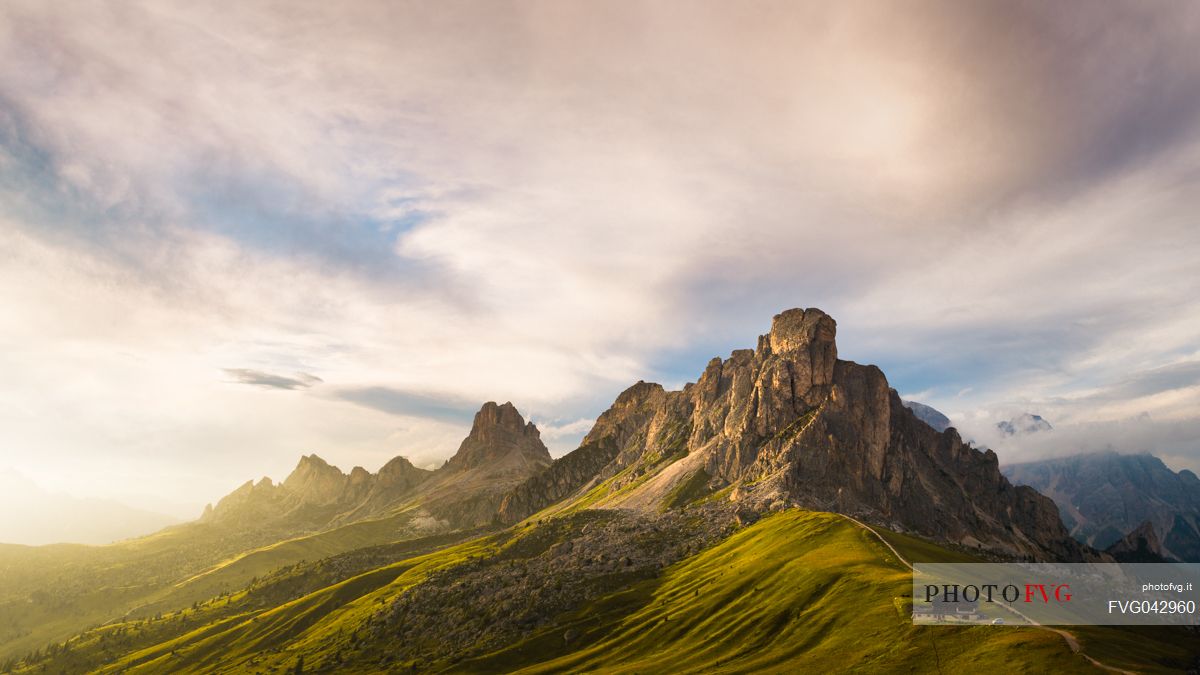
[499, 452]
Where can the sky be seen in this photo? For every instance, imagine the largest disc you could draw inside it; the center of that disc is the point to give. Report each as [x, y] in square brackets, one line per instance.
[231, 235]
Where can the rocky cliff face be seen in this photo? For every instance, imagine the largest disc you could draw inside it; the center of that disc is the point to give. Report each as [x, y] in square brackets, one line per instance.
[1102, 496]
[557, 482]
[790, 423]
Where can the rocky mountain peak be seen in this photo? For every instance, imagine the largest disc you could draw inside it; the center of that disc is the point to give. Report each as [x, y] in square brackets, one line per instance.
[1140, 545]
[499, 416]
[399, 470]
[499, 435]
[316, 481]
[804, 340]
[797, 329]
[313, 462]
[637, 394]
[789, 423]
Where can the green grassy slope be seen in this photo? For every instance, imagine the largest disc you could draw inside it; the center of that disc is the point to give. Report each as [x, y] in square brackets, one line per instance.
[798, 592]
[319, 625]
[96, 647]
[48, 594]
[1140, 649]
[795, 592]
[236, 572]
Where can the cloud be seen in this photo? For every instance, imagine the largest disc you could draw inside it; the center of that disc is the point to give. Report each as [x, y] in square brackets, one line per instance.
[434, 205]
[411, 404]
[1155, 381]
[563, 437]
[259, 378]
[1172, 440]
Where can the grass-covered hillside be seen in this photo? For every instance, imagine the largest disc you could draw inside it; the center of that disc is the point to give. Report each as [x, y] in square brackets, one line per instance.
[603, 591]
[50, 593]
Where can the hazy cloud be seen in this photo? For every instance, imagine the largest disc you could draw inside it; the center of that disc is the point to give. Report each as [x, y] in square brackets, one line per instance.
[1156, 381]
[411, 404]
[1172, 440]
[259, 378]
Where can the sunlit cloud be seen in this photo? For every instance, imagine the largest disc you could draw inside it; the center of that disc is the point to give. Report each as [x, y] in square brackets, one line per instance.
[382, 216]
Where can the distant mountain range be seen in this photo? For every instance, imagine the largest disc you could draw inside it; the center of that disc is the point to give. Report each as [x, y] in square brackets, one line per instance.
[35, 516]
[501, 451]
[1104, 496]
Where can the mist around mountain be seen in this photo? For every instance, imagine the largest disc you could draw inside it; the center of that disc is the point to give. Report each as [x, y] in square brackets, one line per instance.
[1023, 425]
[723, 500]
[33, 516]
[1104, 496]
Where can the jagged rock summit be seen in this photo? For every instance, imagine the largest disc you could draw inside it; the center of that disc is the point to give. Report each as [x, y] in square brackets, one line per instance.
[315, 481]
[315, 494]
[788, 423]
[500, 453]
[500, 436]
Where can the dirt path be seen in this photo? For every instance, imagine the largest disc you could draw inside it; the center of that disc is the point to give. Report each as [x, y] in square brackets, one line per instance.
[1067, 637]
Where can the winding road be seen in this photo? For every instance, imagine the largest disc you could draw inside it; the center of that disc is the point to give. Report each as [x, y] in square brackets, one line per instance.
[1070, 639]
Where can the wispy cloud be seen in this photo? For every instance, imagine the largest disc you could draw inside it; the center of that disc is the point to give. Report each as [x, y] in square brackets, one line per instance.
[562, 437]
[411, 404]
[260, 378]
